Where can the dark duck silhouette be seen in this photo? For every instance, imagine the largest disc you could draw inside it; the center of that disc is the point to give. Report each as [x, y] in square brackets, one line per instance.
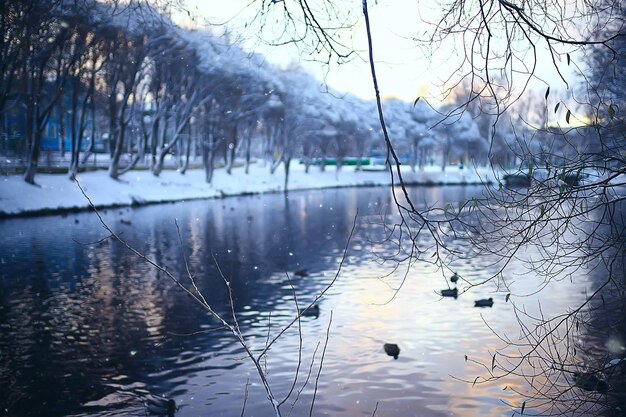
[485, 302]
[301, 272]
[588, 381]
[392, 349]
[157, 404]
[450, 293]
[312, 311]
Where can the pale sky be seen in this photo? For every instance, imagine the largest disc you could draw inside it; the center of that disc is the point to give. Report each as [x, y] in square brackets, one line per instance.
[403, 69]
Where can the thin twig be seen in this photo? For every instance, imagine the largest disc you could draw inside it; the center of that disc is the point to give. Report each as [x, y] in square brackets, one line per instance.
[319, 371]
[245, 397]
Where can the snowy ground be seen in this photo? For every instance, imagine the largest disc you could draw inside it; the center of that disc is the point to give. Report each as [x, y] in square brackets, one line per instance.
[57, 193]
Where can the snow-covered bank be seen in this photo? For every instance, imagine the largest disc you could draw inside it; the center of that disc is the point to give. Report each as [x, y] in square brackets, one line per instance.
[57, 193]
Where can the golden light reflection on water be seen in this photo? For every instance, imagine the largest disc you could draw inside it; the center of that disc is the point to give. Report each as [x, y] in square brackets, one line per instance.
[435, 335]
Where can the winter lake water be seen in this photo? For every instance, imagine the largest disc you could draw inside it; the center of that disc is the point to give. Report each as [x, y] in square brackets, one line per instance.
[90, 329]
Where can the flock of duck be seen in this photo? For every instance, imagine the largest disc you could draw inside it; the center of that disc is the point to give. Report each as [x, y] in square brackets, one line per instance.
[393, 349]
[164, 406]
[454, 292]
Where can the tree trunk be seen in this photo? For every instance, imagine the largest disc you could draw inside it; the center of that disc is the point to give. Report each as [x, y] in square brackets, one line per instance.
[185, 165]
[61, 131]
[208, 170]
[230, 150]
[287, 163]
[33, 142]
[92, 110]
[446, 155]
[248, 146]
[158, 166]
[275, 164]
[162, 152]
[338, 166]
[422, 159]
[33, 159]
[133, 164]
[208, 154]
[75, 132]
[359, 158]
[36, 121]
[154, 141]
[114, 171]
[414, 162]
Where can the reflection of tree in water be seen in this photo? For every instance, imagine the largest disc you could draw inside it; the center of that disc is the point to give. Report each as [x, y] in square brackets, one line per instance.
[88, 320]
[601, 347]
[48, 331]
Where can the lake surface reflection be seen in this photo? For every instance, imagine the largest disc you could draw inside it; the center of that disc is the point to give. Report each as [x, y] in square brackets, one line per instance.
[89, 329]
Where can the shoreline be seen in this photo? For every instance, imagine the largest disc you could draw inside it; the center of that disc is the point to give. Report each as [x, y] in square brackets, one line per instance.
[56, 194]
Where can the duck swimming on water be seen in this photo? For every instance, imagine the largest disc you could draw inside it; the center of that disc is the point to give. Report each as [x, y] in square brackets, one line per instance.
[450, 293]
[301, 272]
[312, 311]
[157, 404]
[590, 382]
[392, 349]
[486, 302]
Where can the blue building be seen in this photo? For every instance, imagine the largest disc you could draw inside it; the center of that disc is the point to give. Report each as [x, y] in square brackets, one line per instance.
[13, 129]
